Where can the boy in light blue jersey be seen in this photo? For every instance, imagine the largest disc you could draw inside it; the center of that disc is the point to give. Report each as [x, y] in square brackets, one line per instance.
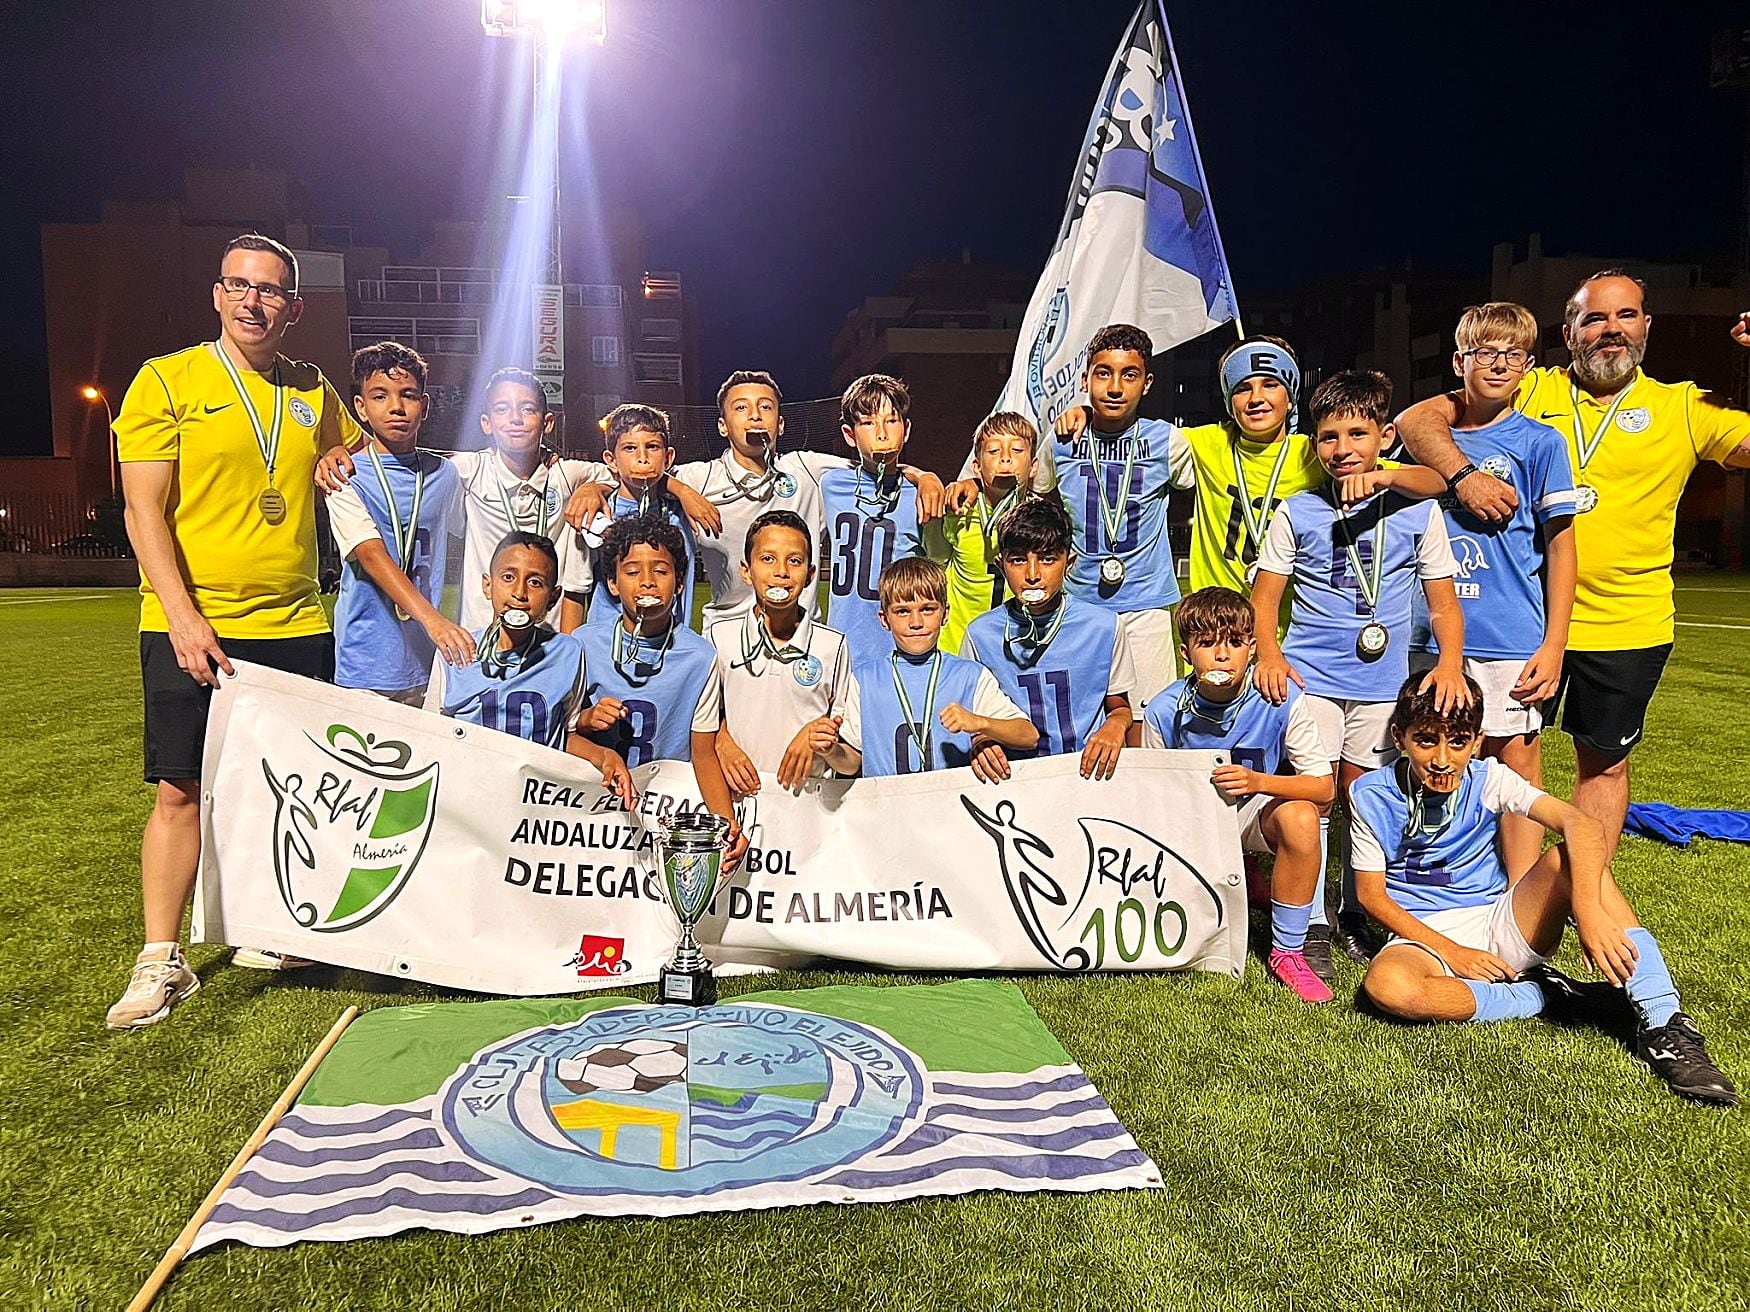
[1465, 944]
[872, 511]
[1515, 579]
[1115, 471]
[392, 529]
[1357, 549]
[526, 680]
[652, 684]
[635, 443]
[903, 732]
[1065, 660]
[1216, 709]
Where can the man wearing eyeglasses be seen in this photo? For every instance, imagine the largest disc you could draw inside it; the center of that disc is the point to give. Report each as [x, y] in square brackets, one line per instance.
[217, 445]
[1633, 443]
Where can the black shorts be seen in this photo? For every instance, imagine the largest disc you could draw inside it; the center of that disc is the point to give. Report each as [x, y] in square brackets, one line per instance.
[176, 706]
[1605, 694]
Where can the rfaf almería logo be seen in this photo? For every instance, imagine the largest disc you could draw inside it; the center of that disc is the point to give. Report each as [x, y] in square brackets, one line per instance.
[352, 816]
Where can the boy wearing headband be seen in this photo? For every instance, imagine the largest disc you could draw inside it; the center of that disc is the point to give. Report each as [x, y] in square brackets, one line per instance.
[527, 680]
[392, 529]
[1356, 549]
[1515, 578]
[1065, 660]
[900, 691]
[1216, 709]
[1002, 455]
[789, 699]
[1469, 946]
[651, 683]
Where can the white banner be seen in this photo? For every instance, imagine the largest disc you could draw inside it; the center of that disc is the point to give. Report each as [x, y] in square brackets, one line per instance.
[550, 341]
[348, 829]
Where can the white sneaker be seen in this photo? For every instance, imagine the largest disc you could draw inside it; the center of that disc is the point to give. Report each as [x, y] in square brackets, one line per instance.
[262, 959]
[155, 987]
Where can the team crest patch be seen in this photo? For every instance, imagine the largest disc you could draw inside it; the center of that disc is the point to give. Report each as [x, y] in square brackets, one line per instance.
[662, 1100]
[807, 671]
[785, 486]
[1634, 420]
[352, 815]
[1498, 466]
[302, 412]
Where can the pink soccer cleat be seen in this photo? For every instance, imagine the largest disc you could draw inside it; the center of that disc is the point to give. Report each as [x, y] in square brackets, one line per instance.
[1291, 970]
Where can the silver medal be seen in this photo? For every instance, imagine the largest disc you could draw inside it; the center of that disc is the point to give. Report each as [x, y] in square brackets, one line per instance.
[1112, 571]
[1373, 640]
[1585, 498]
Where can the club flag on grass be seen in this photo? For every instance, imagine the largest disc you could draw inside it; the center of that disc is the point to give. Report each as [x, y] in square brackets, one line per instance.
[472, 1117]
[1138, 242]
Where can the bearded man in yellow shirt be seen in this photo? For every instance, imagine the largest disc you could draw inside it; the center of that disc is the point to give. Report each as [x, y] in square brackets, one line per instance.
[1633, 442]
[218, 444]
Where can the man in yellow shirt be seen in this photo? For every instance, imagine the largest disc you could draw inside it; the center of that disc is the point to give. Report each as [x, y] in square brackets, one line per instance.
[1634, 442]
[217, 445]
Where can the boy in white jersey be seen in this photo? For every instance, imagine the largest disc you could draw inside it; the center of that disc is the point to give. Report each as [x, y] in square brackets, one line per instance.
[1516, 576]
[652, 684]
[898, 692]
[1065, 660]
[789, 699]
[1465, 944]
[1356, 548]
[514, 485]
[392, 530]
[526, 680]
[1215, 708]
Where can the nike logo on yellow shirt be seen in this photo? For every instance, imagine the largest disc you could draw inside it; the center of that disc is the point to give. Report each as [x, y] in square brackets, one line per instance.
[214, 409]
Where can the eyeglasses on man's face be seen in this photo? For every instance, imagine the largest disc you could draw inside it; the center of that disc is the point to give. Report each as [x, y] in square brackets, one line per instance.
[269, 293]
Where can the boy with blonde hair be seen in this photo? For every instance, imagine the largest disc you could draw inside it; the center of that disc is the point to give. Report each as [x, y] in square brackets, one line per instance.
[1002, 453]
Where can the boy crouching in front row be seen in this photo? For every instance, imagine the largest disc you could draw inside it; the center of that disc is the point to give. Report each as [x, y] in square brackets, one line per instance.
[1465, 945]
[1215, 708]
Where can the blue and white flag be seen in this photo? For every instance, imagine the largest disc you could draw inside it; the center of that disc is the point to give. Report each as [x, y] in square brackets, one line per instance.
[1138, 243]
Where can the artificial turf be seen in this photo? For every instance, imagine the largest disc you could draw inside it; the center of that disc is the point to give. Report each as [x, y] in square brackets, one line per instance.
[1312, 1157]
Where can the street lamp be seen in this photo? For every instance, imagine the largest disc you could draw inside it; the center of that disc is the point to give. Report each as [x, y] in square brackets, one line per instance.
[94, 394]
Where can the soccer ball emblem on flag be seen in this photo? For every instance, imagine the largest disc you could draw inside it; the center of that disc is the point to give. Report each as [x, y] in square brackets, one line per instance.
[352, 816]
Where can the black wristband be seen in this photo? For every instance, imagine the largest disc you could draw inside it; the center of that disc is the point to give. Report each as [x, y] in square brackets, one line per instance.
[1459, 476]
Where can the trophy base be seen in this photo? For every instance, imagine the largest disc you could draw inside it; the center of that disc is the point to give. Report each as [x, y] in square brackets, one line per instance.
[689, 988]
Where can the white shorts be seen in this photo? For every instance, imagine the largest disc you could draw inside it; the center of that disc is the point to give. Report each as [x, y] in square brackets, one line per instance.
[1502, 716]
[1357, 732]
[1252, 822]
[1153, 652]
[1488, 927]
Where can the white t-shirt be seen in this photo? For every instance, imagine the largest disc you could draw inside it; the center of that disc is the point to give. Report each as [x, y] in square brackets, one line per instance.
[766, 701]
[723, 482]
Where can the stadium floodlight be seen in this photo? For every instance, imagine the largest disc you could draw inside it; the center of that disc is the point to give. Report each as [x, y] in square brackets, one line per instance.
[551, 21]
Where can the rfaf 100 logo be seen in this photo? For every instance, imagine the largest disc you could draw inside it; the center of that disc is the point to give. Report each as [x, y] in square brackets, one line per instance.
[352, 816]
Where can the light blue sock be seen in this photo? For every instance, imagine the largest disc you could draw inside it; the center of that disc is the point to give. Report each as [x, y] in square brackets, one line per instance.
[1650, 987]
[1318, 903]
[1505, 1001]
[1288, 925]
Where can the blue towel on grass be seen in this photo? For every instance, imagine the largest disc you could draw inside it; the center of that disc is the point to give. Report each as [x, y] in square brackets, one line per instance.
[1679, 824]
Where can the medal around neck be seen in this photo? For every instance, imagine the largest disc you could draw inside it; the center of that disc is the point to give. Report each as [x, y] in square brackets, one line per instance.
[1112, 571]
[1032, 596]
[516, 620]
[1216, 678]
[691, 851]
[777, 596]
[272, 504]
[1585, 498]
[1371, 643]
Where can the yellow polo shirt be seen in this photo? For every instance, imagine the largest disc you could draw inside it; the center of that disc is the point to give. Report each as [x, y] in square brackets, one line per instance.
[247, 577]
[1221, 547]
[1659, 433]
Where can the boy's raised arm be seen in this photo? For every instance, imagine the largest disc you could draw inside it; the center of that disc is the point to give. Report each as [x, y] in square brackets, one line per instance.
[1426, 428]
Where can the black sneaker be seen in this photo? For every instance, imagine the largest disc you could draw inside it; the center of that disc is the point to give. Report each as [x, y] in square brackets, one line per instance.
[1355, 936]
[1565, 1000]
[1317, 952]
[1678, 1055]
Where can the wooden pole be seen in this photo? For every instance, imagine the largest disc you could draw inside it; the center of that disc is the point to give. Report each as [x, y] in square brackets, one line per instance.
[173, 1256]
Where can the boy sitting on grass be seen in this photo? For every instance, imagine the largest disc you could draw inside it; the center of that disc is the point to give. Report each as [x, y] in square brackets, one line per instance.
[1216, 709]
[1465, 946]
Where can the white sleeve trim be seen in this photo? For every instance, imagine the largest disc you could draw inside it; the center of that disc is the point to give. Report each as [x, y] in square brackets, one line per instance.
[1504, 790]
[1276, 556]
[350, 522]
[1304, 744]
[1365, 852]
[990, 701]
[1434, 558]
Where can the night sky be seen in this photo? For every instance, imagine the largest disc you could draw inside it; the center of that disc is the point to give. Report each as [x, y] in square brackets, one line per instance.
[790, 157]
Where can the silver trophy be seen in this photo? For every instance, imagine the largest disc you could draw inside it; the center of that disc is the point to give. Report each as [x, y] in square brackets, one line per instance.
[691, 850]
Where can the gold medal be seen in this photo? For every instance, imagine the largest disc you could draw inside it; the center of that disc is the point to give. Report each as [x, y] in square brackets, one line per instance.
[272, 503]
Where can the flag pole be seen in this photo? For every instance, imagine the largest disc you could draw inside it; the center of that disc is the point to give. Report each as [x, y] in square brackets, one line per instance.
[177, 1251]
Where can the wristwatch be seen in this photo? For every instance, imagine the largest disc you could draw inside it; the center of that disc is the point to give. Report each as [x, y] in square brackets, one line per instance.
[1459, 475]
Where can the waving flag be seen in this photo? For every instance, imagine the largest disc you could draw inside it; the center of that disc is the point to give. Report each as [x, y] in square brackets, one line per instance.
[470, 1117]
[1138, 243]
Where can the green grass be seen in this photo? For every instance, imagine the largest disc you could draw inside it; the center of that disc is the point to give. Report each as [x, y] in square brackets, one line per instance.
[1312, 1158]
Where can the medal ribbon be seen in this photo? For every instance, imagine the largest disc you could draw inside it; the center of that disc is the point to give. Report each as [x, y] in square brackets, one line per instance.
[626, 644]
[1369, 587]
[1112, 517]
[761, 643]
[268, 442]
[1416, 821]
[880, 499]
[541, 511]
[1214, 713]
[1587, 447]
[1256, 524]
[1039, 643]
[495, 664]
[405, 534]
[919, 730]
[760, 486]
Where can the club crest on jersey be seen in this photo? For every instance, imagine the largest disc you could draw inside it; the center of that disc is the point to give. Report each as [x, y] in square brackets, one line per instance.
[807, 671]
[301, 411]
[1499, 466]
[352, 816]
[1134, 896]
[1634, 420]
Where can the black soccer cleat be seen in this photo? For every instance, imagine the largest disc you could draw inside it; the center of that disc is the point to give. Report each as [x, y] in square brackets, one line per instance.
[1678, 1054]
[1355, 936]
[1317, 951]
[1564, 999]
